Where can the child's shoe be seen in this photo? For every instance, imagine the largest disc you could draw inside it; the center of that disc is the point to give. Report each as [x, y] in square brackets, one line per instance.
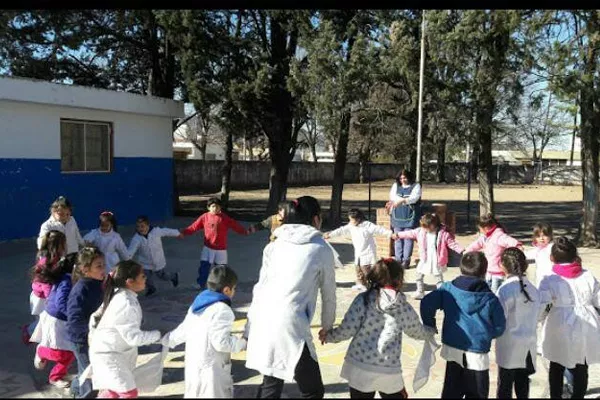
[38, 363]
[25, 335]
[60, 383]
[175, 279]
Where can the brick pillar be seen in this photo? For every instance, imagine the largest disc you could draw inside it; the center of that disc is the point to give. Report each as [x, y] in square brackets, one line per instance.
[448, 218]
[385, 246]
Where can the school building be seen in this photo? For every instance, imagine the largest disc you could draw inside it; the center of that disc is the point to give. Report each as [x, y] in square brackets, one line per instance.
[102, 149]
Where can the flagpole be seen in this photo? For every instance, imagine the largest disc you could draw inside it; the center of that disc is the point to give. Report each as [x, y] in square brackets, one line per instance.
[420, 120]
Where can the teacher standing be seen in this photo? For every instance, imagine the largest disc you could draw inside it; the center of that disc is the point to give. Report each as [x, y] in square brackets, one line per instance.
[405, 212]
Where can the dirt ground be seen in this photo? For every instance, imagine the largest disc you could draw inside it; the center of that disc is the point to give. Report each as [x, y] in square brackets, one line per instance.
[518, 207]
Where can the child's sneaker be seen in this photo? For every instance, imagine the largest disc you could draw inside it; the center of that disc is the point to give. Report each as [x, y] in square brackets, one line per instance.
[175, 279]
[25, 335]
[60, 383]
[38, 363]
[418, 295]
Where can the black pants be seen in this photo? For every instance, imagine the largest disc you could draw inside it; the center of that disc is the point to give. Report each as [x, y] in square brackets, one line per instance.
[580, 380]
[517, 377]
[356, 394]
[307, 374]
[461, 382]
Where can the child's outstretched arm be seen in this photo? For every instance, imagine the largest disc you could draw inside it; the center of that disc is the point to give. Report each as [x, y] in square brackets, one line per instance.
[179, 334]
[235, 226]
[134, 245]
[375, 229]
[220, 333]
[476, 245]
[122, 249]
[453, 244]
[506, 241]
[411, 234]
[80, 241]
[429, 306]
[129, 328]
[197, 225]
[411, 324]
[262, 225]
[350, 324]
[341, 231]
[168, 232]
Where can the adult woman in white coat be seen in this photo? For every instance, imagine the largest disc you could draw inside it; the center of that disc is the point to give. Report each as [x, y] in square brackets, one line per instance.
[115, 333]
[295, 265]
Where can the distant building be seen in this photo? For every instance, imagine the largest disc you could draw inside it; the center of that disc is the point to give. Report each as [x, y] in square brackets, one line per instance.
[102, 149]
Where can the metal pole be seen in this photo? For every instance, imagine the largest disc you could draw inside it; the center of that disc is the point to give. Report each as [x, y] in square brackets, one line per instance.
[369, 166]
[470, 166]
[420, 121]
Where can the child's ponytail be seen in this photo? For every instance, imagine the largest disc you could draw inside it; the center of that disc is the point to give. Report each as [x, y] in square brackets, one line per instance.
[515, 263]
[117, 279]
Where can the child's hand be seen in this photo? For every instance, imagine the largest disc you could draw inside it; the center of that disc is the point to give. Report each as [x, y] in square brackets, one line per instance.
[165, 340]
[326, 235]
[252, 229]
[323, 336]
[181, 236]
[394, 236]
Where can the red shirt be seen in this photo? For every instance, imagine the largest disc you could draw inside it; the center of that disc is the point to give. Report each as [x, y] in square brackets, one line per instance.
[215, 229]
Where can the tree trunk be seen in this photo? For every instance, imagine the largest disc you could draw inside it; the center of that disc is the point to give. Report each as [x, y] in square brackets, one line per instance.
[441, 160]
[363, 160]
[484, 168]
[176, 204]
[226, 172]
[313, 151]
[337, 187]
[589, 168]
[574, 132]
[280, 166]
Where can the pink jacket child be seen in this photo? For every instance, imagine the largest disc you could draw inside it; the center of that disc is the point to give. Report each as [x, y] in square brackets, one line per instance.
[445, 241]
[492, 243]
[37, 303]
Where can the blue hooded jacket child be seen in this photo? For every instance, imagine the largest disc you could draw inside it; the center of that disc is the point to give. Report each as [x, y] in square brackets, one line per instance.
[473, 315]
[207, 298]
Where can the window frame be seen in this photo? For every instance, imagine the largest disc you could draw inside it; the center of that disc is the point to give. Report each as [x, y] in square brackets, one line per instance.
[110, 154]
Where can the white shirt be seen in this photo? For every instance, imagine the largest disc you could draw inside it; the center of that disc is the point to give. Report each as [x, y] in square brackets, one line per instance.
[115, 340]
[571, 331]
[415, 194]
[296, 266]
[475, 361]
[365, 249]
[70, 229]
[149, 252]
[429, 266]
[543, 264]
[110, 244]
[520, 335]
[208, 344]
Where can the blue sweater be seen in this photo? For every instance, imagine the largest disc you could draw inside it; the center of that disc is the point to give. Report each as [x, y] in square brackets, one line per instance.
[84, 299]
[56, 304]
[473, 315]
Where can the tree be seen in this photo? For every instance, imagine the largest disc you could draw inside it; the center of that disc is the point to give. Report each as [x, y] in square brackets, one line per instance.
[341, 61]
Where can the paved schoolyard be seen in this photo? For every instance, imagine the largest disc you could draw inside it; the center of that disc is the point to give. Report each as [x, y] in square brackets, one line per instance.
[167, 308]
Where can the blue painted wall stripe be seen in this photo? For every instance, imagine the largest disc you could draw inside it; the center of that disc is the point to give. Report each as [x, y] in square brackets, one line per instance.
[135, 186]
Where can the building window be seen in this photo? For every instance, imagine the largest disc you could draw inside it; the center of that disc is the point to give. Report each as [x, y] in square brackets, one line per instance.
[85, 146]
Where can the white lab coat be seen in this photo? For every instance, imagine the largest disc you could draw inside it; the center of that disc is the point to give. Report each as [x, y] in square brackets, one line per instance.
[70, 229]
[148, 252]
[571, 331]
[543, 264]
[365, 249]
[520, 335]
[110, 244]
[208, 344]
[295, 266]
[115, 340]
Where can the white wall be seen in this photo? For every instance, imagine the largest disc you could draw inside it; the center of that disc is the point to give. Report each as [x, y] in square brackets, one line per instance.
[32, 130]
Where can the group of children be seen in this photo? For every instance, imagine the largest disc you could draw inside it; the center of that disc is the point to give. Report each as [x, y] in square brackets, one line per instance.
[88, 310]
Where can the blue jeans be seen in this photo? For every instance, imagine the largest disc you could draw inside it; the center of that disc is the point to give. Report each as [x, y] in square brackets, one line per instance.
[403, 248]
[494, 282]
[82, 356]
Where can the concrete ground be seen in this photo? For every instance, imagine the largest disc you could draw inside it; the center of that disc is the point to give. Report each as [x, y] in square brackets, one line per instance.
[167, 308]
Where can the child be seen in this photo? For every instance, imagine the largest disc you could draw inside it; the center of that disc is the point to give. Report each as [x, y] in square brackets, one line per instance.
[492, 240]
[434, 241]
[85, 298]
[274, 221]
[51, 250]
[365, 250]
[215, 224]
[473, 316]
[571, 330]
[206, 332]
[146, 249]
[115, 333]
[542, 243]
[61, 220]
[108, 241]
[516, 348]
[51, 331]
[375, 322]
